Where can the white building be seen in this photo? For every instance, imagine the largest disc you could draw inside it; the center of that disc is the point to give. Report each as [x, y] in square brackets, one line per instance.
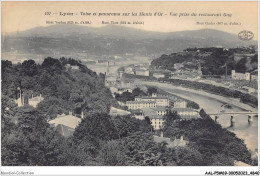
[186, 113]
[157, 121]
[180, 104]
[110, 80]
[159, 111]
[178, 66]
[125, 84]
[138, 114]
[19, 101]
[171, 143]
[160, 101]
[72, 67]
[34, 101]
[250, 89]
[115, 111]
[132, 105]
[240, 76]
[129, 70]
[158, 75]
[122, 90]
[142, 72]
[155, 115]
[66, 124]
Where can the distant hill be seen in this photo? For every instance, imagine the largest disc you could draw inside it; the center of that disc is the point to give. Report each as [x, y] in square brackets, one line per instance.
[111, 40]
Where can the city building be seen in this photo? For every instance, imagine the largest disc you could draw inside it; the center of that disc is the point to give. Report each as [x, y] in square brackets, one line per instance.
[110, 80]
[157, 121]
[142, 72]
[160, 101]
[178, 66]
[122, 90]
[180, 142]
[20, 100]
[158, 75]
[160, 111]
[249, 89]
[120, 74]
[186, 113]
[115, 111]
[34, 101]
[125, 84]
[66, 124]
[240, 76]
[179, 103]
[138, 114]
[132, 105]
[71, 67]
[129, 70]
[171, 143]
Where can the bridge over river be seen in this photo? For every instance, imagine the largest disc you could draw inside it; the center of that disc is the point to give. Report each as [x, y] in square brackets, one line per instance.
[213, 105]
[233, 114]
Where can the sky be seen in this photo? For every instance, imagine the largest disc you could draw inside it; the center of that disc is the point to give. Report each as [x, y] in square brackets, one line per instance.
[20, 16]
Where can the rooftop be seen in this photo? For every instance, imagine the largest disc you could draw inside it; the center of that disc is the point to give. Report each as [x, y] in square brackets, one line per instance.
[66, 120]
[183, 110]
[152, 111]
[149, 97]
[139, 102]
[155, 117]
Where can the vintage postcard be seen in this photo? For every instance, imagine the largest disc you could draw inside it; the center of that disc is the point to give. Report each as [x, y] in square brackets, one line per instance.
[113, 83]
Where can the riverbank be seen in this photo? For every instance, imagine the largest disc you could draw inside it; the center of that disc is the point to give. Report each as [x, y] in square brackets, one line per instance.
[213, 104]
[232, 101]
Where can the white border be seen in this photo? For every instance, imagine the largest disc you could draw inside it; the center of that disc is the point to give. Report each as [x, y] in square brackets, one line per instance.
[127, 170]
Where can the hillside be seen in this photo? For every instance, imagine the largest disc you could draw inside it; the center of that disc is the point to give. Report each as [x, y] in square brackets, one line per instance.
[64, 40]
[63, 91]
[211, 60]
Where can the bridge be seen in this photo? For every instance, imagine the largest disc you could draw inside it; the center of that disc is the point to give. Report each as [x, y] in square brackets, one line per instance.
[250, 115]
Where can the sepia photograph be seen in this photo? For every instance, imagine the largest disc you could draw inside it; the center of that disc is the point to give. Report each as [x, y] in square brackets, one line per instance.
[133, 83]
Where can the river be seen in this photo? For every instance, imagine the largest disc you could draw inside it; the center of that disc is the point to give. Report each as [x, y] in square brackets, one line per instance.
[209, 102]
[212, 104]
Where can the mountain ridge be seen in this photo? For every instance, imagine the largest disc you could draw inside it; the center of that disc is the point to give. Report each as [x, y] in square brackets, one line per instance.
[113, 40]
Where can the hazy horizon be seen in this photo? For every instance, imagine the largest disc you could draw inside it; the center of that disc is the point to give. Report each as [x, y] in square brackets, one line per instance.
[22, 16]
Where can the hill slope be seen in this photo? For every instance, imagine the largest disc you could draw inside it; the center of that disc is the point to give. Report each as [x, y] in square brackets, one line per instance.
[60, 40]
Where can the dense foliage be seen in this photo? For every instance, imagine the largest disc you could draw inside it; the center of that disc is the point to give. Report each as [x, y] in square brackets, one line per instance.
[209, 142]
[211, 64]
[28, 140]
[63, 90]
[127, 96]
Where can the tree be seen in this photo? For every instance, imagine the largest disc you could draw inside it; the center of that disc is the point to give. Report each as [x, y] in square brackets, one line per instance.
[33, 142]
[112, 153]
[92, 130]
[29, 68]
[170, 118]
[52, 65]
[127, 125]
[187, 156]
[151, 90]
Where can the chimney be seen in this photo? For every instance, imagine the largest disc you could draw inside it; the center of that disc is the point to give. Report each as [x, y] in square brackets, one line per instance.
[181, 138]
